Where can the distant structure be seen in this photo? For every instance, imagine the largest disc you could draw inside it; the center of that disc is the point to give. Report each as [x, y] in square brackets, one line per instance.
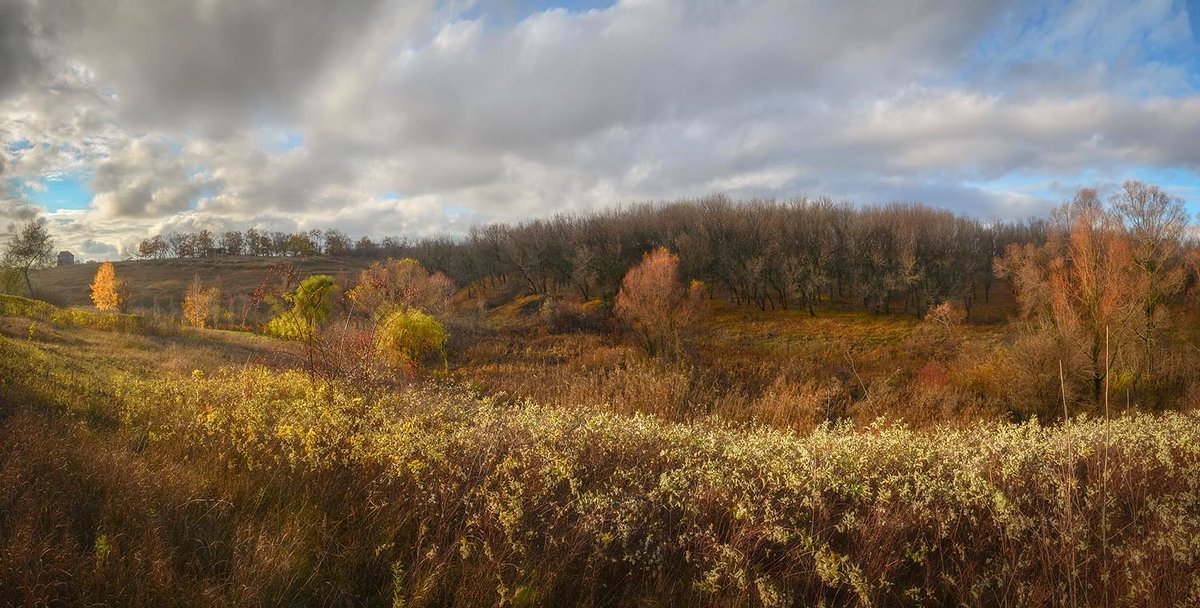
[66, 258]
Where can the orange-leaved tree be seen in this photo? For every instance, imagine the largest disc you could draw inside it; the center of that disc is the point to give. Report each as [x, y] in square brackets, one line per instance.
[1085, 287]
[654, 303]
[109, 293]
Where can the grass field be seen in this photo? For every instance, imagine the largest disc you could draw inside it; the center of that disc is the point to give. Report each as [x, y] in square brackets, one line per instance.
[160, 284]
[782, 459]
[137, 470]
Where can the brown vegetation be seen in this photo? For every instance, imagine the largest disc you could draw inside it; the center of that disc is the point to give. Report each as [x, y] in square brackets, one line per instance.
[832, 424]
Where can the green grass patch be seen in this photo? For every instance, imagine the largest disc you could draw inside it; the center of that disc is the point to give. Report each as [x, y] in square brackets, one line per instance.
[17, 306]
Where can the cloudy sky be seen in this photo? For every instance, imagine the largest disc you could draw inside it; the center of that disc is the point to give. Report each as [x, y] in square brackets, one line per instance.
[124, 118]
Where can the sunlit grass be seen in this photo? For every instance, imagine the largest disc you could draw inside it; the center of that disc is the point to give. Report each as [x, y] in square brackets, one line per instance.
[304, 491]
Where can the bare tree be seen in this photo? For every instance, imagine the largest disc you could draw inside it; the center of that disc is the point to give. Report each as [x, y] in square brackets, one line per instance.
[1084, 286]
[1157, 224]
[233, 242]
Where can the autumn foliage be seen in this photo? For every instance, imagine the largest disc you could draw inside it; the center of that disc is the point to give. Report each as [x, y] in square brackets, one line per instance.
[401, 283]
[653, 302]
[1100, 282]
[200, 304]
[109, 293]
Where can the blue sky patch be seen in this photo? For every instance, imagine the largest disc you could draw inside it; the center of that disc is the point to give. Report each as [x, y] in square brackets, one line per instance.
[55, 191]
[19, 146]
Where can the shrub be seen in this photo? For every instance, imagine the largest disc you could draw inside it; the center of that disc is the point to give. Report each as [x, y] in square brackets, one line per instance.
[406, 336]
[940, 334]
[311, 306]
[654, 303]
[298, 491]
[564, 316]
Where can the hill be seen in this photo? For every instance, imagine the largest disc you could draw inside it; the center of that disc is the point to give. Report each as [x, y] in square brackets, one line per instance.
[161, 283]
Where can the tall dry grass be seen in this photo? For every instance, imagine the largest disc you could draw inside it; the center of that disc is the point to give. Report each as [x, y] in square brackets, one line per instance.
[259, 487]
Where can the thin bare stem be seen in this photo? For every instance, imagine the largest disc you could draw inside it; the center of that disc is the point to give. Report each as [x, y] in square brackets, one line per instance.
[1062, 381]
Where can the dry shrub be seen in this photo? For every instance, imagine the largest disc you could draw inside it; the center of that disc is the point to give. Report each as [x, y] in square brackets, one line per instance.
[1022, 378]
[802, 406]
[940, 334]
[563, 316]
[933, 376]
[466, 328]
[654, 303]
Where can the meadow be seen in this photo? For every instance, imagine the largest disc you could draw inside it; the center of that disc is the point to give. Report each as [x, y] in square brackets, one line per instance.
[954, 429]
[200, 468]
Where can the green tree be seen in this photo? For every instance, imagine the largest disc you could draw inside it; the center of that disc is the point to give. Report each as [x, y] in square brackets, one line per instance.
[29, 249]
[310, 307]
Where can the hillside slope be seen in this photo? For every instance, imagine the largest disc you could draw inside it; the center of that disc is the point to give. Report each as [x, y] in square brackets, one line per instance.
[163, 282]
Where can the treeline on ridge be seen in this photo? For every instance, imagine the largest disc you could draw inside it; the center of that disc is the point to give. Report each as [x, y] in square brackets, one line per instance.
[769, 254]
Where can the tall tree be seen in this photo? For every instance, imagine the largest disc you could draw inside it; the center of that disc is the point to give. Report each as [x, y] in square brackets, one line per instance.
[1157, 224]
[233, 242]
[29, 249]
[204, 244]
[1084, 286]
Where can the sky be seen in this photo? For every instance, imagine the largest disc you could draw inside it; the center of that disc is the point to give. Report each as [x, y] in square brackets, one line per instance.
[120, 119]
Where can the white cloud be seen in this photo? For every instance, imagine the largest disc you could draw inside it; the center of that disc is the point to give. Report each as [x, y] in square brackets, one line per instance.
[408, 108]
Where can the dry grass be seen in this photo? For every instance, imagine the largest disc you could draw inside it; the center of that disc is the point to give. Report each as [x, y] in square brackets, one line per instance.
[257, 487]
[159, 285]
[142, 470]
[782, 368]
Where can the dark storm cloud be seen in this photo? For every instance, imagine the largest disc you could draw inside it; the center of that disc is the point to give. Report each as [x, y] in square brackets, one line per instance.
[216, 64]
[18, 58]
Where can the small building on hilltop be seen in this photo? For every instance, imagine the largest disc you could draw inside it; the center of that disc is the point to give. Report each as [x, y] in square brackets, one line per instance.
[66, 258]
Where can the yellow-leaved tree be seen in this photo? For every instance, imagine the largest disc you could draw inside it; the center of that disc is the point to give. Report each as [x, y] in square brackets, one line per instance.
[200, 304]
[109, 293]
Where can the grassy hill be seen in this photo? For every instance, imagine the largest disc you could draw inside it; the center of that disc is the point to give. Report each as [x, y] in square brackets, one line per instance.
[161, 283]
